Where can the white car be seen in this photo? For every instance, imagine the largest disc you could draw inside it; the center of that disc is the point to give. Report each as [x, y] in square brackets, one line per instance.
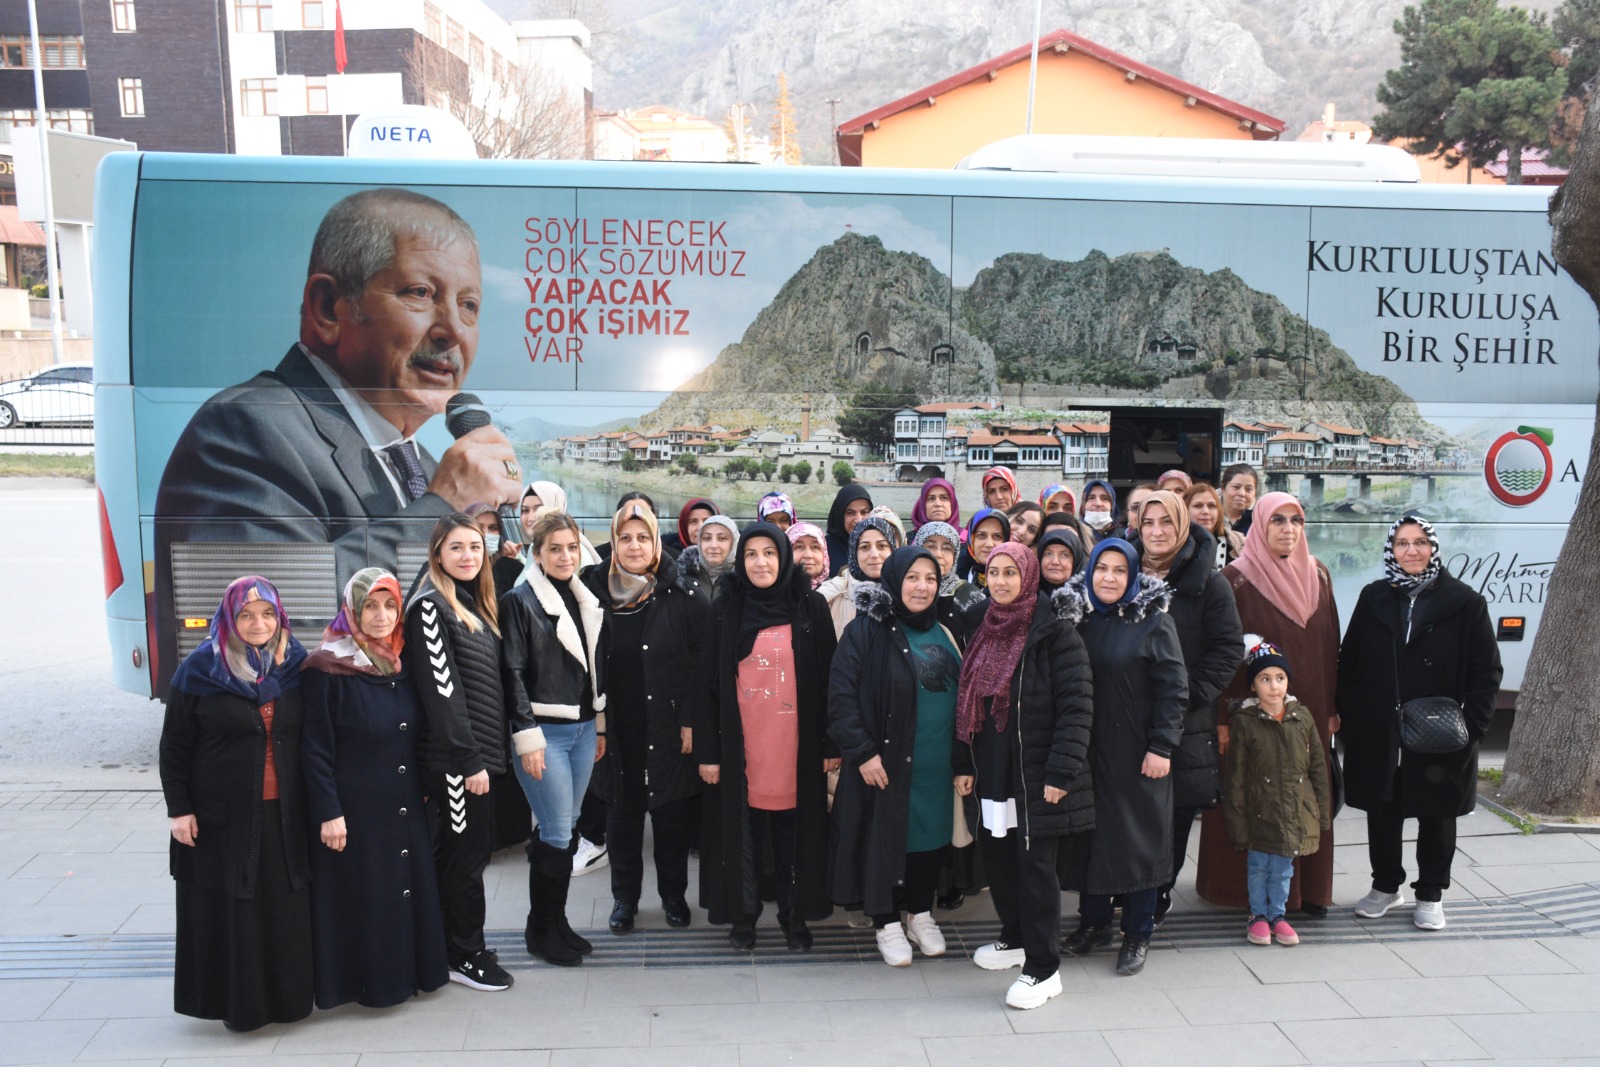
[60, 393]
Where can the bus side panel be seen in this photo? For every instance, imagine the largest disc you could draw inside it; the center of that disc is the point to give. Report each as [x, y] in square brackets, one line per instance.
[116, 468]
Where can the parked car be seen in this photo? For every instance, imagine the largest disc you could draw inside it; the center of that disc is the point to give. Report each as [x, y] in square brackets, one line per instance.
[60, 393]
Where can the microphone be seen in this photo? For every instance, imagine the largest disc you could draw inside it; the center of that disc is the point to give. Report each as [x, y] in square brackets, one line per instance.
[464, 413]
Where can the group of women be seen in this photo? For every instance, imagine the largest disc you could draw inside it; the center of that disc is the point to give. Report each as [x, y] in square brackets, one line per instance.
[848, 716]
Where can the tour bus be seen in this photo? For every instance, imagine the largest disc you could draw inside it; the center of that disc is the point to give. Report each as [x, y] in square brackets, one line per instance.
[1373, 345]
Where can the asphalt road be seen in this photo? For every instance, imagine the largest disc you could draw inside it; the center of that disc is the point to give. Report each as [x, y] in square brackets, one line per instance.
[62, 721]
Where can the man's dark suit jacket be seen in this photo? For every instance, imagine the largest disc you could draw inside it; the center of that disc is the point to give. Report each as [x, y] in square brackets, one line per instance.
[278, 458]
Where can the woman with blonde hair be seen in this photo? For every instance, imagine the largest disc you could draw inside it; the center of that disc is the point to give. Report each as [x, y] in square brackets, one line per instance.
[1205, 511]
[554, 633]
[453, 645]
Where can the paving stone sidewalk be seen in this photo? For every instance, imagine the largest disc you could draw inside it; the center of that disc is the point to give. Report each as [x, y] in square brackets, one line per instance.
[86, 954]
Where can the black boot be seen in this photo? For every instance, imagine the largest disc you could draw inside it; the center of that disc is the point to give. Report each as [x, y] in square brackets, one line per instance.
[1130, 960]
[533, 933]
[553, 871]
[1085, 939]
[558, 916]
[796, 934]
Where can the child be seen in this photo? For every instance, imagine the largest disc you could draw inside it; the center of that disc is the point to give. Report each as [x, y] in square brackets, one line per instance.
[1275, 801]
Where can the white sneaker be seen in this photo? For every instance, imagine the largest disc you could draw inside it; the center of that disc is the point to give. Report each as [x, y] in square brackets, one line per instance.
[589, 857]
[1000, 956]
[1030, 992]
[857, 920]
[1376, 904]
[894, 946]
[923, 932]
[1429, 915]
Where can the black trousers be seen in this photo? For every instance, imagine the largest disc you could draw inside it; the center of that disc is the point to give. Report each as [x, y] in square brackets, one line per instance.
[592, 818]
[1436, 849]
[673, 826]
[774, 830]
[1027, 896]
[462, 827]
[1138, 911]
[1182, 823]
[921, 881]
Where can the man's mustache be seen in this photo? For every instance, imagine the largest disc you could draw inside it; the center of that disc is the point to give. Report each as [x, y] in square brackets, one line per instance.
[434, 360]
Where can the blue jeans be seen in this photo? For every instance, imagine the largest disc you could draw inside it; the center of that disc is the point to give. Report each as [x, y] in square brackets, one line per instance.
[568, 761]
[1268, 877]
[1138, 911]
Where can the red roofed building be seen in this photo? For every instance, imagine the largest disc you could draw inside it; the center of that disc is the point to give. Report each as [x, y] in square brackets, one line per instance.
[1082, 88]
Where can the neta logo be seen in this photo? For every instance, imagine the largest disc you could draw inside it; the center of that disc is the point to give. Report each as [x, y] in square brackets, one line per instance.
[1518, 466]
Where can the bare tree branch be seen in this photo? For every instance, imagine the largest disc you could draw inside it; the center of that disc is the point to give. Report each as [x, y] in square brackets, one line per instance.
[512, 112]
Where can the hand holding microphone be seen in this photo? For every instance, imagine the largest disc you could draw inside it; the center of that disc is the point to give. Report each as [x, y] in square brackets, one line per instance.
[480, 466]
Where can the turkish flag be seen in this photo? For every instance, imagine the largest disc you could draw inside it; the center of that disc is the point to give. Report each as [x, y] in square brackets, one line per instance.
[341, 58]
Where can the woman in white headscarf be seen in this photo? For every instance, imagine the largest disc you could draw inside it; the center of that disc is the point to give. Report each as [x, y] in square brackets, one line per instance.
[538, 498]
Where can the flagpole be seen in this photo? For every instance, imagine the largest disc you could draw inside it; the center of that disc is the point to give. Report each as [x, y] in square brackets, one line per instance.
[341, 59]
[43, 124]
[1033, 61]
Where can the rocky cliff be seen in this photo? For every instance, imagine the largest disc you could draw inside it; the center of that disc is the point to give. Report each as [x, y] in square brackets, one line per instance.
[856, 312]
[1145, 323]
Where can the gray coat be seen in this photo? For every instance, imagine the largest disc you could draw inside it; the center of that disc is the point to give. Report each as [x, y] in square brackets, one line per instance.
[279, 459]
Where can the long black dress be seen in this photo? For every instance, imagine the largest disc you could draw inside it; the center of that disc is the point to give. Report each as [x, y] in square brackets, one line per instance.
[374, 906]
[243, 902]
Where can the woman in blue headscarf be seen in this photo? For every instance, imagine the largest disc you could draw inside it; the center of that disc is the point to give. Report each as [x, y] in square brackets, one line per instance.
[1140, 694]
[230, 774]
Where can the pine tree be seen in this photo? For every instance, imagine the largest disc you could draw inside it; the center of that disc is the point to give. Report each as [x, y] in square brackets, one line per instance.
[1473, 74]
[785, 136]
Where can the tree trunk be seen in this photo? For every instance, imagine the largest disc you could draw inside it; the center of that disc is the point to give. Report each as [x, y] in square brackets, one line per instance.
[1553, 765]
[1514, 166]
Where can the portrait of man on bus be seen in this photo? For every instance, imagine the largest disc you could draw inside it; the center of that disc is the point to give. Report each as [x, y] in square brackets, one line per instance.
[322, 447]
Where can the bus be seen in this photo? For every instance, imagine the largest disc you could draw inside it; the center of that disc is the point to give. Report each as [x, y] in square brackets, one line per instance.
[1374, 346]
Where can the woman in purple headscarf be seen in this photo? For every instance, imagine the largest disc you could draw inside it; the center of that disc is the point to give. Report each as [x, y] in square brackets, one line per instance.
[230, 774]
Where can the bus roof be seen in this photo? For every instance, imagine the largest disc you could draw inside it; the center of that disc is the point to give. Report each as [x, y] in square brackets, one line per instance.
[1192, 157]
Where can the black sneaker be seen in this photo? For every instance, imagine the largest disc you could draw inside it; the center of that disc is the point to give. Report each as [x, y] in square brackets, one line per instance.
[481, 971]
[1085, 939]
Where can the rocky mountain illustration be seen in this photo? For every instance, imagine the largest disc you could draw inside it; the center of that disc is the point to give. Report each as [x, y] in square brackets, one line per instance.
[1143, 324]
[855, 313]
[1140, 326]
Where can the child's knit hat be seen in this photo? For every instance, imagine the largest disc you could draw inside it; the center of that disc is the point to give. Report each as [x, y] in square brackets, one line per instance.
[1259, 654]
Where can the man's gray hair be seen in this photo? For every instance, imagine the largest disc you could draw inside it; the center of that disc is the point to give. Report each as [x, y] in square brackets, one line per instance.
[358, 234]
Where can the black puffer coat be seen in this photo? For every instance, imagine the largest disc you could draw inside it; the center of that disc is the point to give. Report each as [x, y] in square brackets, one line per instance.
[729, 873]
[872, 700]
[1202, 608]
[463, 697]
[1452, 653]
[1140, 693]
[678, 644]
[1052, 703]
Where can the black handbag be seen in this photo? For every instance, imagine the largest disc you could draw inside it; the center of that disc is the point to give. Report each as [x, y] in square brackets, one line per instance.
[1429, 726]
[1335, 780]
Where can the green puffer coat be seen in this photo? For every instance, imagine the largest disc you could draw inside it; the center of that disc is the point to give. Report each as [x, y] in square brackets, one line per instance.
[1275, 795]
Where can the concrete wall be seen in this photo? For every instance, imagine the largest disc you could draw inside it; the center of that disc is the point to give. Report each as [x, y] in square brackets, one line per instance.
[21, 356]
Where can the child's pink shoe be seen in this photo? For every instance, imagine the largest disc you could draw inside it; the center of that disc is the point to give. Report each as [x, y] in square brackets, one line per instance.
[1284, 933]
[1259, 933]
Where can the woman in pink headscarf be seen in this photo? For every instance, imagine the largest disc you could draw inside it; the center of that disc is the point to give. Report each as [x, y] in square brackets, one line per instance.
[1286, 596]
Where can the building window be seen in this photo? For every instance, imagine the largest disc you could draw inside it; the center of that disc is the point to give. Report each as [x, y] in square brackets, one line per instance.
[76, 120]
[432, 24]
[475, 53]
[132, 92]
[455, 38]
[258, 96]
[252, 16]
[311, 14]
[316, 96]
[58, 51]
[122, 20]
